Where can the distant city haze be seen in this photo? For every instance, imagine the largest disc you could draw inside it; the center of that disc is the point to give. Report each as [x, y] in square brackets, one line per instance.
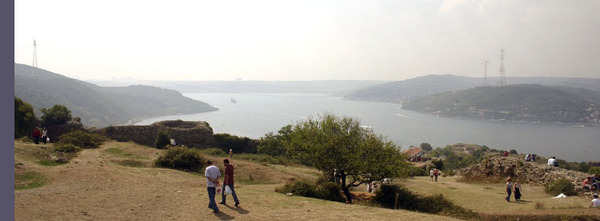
[308, 40]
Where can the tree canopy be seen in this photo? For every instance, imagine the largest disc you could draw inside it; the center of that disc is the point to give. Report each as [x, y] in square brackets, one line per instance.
[24, 118]
[358, 155]
[56, 115]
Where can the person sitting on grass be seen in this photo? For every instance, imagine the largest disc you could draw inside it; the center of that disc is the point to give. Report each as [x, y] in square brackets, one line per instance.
[587, 184]
[595, 202]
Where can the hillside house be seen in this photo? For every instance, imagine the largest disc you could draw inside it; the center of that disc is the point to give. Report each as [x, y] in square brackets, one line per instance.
[415, 153]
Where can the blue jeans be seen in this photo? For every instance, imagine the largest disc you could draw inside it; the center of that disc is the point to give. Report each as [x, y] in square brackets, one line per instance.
[509, 192]
[232, 194]
[211, 196]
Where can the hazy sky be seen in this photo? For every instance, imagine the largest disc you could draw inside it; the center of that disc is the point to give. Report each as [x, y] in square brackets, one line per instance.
[308, 40]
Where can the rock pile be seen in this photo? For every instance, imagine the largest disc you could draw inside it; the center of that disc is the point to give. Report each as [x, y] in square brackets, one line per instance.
[537, 172]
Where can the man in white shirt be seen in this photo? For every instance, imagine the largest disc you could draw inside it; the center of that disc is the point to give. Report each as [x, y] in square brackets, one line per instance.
[552, 161]
[595, 201]
[212, 174]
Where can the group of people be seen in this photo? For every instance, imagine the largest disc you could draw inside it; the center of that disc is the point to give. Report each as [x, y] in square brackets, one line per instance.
[530, 157]
[592, 183]
[433, 174]
[213, 174]
[40, 134]
[510, 186]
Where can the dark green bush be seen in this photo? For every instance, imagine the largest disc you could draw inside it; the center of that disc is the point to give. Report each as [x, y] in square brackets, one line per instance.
[82, 139]
[417, 171]
[329, 191]
[299, 187]
[66, 148]
[56, 115]
[181, 158]
[237, 144]
[594, 170]
[162, 139]
[392, 196]
[561, 186]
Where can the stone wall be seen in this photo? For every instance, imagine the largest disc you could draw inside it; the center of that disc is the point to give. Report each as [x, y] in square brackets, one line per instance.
[194, 134]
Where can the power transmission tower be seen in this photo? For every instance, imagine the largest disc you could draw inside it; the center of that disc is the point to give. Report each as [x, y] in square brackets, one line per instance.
[35, 64]
[485, 63]
[502, 79]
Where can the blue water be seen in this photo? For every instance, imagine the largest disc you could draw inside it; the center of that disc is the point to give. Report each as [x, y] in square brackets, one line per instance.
[254, 115]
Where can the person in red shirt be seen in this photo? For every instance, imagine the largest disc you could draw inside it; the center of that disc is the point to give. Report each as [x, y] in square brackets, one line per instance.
[228, 182]
[36, 135]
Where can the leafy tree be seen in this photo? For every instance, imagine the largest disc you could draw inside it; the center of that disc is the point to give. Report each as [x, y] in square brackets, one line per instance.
[273, 144]
[162, 139]
[359, 156]
[56, 115]
[237, 144]
[24, 118]
[426, 147]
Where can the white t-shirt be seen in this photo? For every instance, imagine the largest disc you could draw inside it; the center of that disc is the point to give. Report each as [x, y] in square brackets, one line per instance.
[596, 203]
[211, 171]
[551, 161]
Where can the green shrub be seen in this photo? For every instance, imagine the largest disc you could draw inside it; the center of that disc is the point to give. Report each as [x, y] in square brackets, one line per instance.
[213, 152]
[330, 191]
[394, 196]
[299, 187]
[82, 139]
[66, 148]
[162, 139]
[417, 171]
[594, 170]
[237, 144]
[561, 186]
[56, 115]
[181, 158]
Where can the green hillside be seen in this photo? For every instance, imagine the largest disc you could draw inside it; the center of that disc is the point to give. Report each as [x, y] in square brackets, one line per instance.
[100, 106]
[531, 103]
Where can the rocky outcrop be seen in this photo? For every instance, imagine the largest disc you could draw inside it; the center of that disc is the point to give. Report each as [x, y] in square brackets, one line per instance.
[194, 134]
[538, 172]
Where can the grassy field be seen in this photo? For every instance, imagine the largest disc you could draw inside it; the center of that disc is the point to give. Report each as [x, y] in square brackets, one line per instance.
[488, 198]
[97, 184]
[119, 181]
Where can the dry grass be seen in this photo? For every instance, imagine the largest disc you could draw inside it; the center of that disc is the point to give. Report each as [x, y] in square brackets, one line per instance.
[94, 186]
[488, 198]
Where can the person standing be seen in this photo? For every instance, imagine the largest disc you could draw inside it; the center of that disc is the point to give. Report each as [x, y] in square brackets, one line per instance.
[509, 186]
[431, 175]
[36, 135]
[436, 173]
[212, 174]
[44, 135]
[517, 190]
[230, 153]
[228, 182]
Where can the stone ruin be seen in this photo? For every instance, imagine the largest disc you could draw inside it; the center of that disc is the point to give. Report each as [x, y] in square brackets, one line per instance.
[193, 134]
[525, 171]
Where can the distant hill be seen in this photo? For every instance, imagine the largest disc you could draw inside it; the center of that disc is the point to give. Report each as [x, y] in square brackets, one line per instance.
[100, 106]
[531, 103]
[334, 87]
[404, 91]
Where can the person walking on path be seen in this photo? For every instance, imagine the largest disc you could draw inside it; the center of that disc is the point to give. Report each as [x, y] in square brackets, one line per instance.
[212, 174]
[509, 186]
[517, 190]
[44, 135]
[431, 175]
[228, 182]
[436, 173]
[36, 135]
